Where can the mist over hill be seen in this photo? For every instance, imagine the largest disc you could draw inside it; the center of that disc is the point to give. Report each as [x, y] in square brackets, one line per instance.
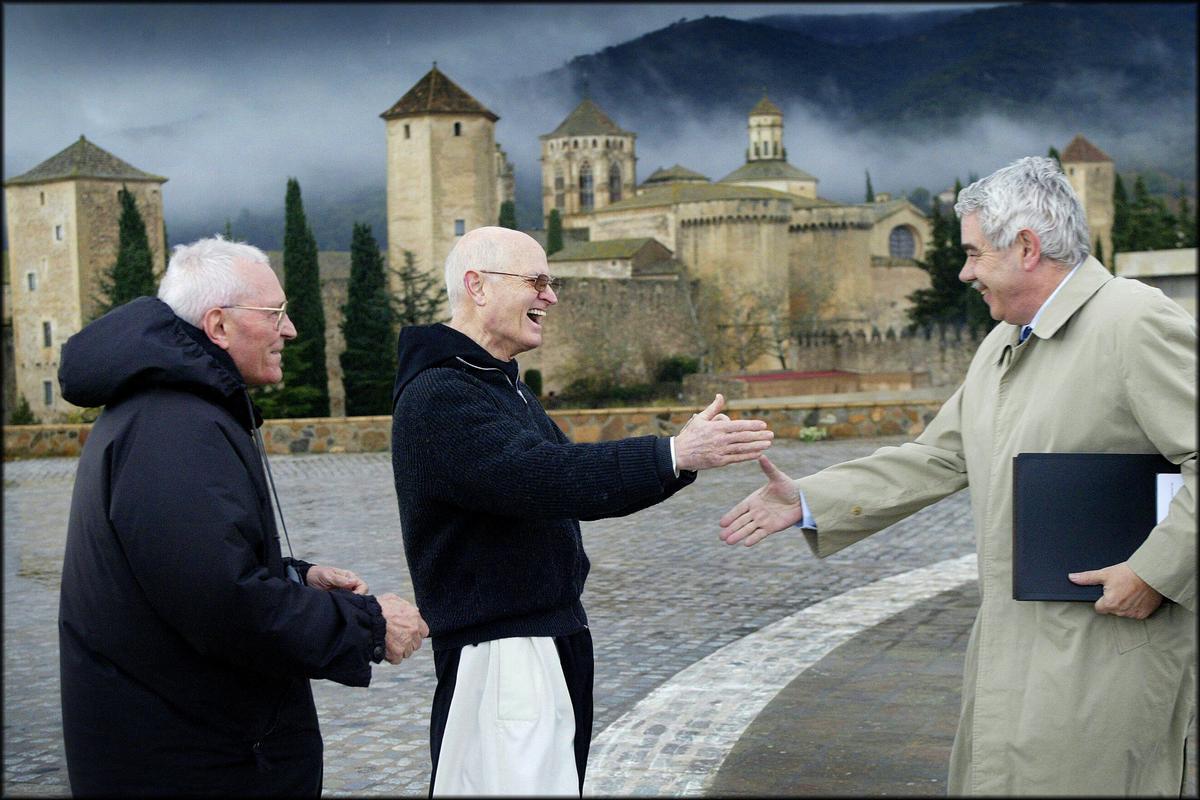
[916, 99]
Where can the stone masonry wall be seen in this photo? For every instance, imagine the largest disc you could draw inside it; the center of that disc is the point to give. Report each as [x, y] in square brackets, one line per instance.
[839, 419]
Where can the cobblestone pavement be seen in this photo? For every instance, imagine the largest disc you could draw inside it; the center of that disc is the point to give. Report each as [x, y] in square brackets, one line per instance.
[663, 594]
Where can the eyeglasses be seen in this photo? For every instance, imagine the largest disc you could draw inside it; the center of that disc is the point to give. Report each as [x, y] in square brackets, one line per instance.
[540, 282]
[279, 313]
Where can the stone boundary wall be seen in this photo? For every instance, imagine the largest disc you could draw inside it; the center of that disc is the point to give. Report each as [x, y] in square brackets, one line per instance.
[840, 418]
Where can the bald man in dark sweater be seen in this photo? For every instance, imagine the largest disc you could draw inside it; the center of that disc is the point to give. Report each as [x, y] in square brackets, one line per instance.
[491, 493]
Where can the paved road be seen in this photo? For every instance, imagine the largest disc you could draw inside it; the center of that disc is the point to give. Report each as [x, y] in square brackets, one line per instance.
[665, 596]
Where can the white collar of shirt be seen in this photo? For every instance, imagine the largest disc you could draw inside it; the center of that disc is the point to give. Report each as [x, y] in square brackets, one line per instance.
[1057, 289]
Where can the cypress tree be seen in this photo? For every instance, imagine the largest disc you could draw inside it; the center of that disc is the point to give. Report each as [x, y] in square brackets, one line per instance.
[369, 360]
[1186, 219]
[554, 233]
[132, 275]
[1120, 229]
[305, 390]
[870, 191]
[508, 215]
[1054, 154]
[419, 298]
[166, 247]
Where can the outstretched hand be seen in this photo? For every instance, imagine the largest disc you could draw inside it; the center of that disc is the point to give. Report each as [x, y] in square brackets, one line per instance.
[772, 508]
[712, 439]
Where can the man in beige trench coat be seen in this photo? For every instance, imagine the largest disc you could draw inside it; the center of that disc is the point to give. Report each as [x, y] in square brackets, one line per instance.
[1058, 698]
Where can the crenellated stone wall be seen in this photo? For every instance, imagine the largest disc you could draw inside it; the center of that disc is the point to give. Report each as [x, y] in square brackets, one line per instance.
[840, 416]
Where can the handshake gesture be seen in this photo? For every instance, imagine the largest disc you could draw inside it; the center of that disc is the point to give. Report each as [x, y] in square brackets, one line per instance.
[405, 628]
[712, 439]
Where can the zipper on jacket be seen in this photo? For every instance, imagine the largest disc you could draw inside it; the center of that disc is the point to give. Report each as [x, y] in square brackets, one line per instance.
[494, 369]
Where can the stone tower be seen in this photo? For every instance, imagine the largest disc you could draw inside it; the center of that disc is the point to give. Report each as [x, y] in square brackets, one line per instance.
[1093, 176]
[588, 162]
[441, 171]
[766, 133]
[766, 158]
[63, 235]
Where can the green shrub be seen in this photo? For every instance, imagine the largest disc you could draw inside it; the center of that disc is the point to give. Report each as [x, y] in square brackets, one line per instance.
[23, 414]
[812, 434]
[672, 368]
[533, 379]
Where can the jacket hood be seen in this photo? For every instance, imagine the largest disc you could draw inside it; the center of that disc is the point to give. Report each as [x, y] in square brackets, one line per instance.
[423, 346]
[143, 345]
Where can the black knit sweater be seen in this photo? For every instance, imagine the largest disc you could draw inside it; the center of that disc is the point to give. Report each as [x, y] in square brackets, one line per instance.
[491, 492]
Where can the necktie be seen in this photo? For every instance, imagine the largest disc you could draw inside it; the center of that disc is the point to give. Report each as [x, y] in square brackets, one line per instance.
[1025, 331]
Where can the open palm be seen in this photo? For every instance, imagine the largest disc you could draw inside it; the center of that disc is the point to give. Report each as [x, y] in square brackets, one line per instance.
[767, 510]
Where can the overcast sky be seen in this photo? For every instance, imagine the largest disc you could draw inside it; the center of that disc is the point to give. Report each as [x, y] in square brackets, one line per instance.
[228, 101]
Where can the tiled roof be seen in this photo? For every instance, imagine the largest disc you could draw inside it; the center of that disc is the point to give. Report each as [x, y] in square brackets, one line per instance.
[436, 94]
[673, 174]
[83, 160]
[587, 119]
[765, 106]
[886, 209]
[767, 170]
[1080, 149]
[600, 250]
[674, 193]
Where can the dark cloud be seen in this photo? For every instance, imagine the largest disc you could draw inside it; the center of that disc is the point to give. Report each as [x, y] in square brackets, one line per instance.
[230, 100]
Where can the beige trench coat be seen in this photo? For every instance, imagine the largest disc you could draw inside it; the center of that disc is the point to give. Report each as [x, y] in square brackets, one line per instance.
[1057, 699]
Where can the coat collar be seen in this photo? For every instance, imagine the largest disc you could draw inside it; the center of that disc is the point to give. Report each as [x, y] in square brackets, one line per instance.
[1086, 281]
[1083, 284]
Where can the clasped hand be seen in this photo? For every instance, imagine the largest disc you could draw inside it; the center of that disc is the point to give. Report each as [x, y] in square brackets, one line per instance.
[405, 627]
[712, 439]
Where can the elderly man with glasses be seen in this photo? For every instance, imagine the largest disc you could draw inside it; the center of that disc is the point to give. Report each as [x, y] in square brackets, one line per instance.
[491, 493]
[186, 638]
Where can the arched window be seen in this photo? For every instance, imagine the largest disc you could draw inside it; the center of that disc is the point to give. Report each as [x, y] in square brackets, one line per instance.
[559, 190]
[614, 182]
[585, 187]
[901, 243]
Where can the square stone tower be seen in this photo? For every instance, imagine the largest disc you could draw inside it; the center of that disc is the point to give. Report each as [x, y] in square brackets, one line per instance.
[63, 236]
[442, 171]
[1093, 175]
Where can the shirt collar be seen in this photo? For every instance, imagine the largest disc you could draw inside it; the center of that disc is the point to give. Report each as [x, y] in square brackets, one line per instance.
[1057, 289]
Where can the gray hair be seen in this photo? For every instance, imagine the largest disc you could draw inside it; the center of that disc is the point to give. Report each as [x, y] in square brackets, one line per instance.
[201, 276]
[1031, 193]
[478, 249]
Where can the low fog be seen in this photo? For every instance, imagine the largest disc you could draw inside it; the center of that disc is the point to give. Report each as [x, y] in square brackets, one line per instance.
[229, 101]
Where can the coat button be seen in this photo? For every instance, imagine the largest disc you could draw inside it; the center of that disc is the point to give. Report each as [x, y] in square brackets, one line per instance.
[856, 510]
[377, 653]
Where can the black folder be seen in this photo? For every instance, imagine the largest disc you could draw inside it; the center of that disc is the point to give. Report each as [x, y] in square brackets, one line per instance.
[1079, 511]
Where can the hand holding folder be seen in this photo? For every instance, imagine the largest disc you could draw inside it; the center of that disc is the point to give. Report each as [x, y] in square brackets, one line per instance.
[1076, 512]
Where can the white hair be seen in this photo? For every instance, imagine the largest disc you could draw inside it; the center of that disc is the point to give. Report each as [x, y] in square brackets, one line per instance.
[1031, 193]
[479, 249]
[201, 276]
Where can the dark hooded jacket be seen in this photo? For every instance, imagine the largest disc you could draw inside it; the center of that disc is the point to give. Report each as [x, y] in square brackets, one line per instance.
[185, 651]
[491, 493]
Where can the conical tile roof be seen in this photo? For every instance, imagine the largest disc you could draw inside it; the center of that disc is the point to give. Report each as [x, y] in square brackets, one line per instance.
[586, 120]
[1080, 149]
[765, 106]
[83, 160]
[436, 94]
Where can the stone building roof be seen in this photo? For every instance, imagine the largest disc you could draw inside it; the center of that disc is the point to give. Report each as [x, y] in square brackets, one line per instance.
[767, 170]
[1080, 149]
[674, 193]
[586, 120]
[883, 210]
[605, 249]
[436, 94]
[765, 106]
[673, 175]
[83, 160]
